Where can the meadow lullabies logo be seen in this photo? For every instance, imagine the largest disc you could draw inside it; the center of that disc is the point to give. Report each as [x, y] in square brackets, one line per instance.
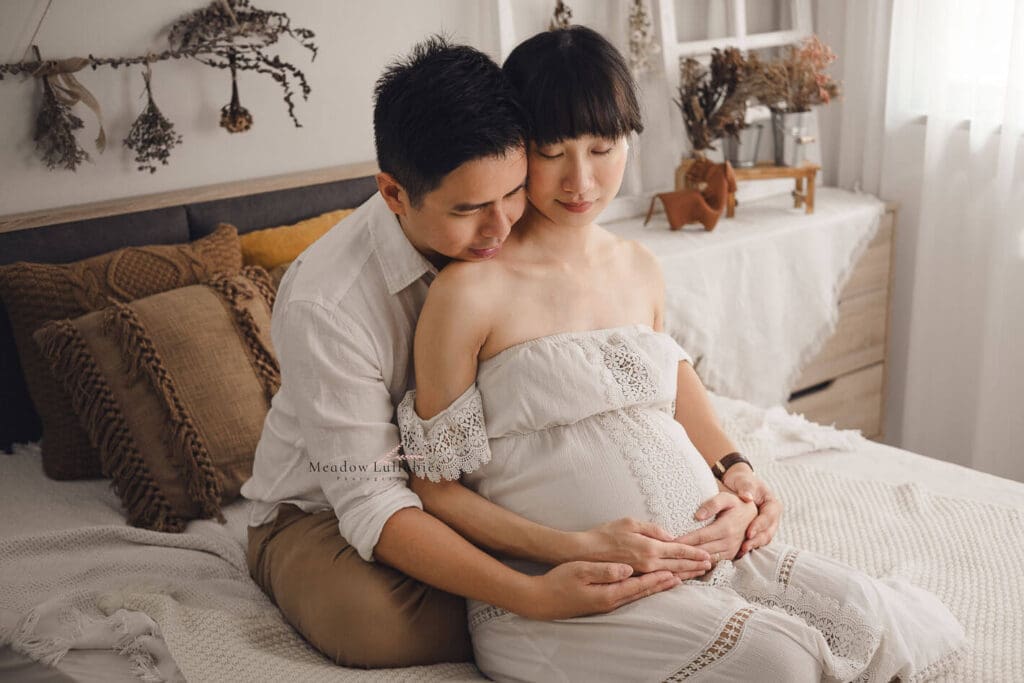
[387, 466]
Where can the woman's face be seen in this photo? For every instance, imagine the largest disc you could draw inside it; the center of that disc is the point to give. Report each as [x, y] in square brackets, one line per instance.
[571, 181]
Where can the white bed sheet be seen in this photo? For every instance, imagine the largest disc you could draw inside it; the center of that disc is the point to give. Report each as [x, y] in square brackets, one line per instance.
[26, 492]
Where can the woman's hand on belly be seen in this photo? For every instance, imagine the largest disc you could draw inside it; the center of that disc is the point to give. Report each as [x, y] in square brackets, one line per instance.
[724, 536]
[644, 546]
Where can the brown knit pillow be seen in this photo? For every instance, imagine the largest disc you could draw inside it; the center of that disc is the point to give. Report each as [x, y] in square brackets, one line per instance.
[173, 390]
[277, 274]
[36, 293]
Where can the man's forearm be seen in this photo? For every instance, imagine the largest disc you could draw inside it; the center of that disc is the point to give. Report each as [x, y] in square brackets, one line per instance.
[420, 545]
[493, 526]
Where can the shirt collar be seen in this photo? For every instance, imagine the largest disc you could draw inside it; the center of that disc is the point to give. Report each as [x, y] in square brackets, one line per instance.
[401, 262]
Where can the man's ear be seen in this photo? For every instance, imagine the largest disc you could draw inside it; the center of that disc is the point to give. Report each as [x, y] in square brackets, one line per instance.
[393, 193]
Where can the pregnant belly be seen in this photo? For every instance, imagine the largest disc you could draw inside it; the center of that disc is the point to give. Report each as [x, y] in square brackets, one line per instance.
[633, 462]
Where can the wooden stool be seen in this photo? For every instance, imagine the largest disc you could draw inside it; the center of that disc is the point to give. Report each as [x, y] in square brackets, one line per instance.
[804, 176]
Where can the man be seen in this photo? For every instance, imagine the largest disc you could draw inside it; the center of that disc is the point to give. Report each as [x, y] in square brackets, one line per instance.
[337, 538]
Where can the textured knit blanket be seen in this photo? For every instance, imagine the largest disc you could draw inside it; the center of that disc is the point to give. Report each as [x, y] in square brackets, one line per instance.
[756, 299]
[185, 601]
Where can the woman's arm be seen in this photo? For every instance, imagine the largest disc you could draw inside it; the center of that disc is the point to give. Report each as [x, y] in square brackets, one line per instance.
[697, 416]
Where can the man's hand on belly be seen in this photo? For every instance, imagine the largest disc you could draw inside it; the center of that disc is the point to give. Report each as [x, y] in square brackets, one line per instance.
[644, 546]
[580, 588]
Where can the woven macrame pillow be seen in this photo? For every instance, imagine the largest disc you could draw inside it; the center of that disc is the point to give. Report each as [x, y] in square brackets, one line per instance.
[172, 390]
[36, 293]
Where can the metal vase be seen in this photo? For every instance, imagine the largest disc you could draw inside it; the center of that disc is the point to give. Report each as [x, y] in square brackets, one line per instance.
[742, 152]
[790, 131]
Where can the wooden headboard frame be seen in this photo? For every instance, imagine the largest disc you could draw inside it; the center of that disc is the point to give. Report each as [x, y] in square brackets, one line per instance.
[237, 188]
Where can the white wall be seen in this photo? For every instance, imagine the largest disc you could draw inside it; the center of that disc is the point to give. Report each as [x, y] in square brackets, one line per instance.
[355, 38]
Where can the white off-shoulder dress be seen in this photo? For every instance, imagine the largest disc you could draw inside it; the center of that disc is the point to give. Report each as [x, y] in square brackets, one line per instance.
[573, 430]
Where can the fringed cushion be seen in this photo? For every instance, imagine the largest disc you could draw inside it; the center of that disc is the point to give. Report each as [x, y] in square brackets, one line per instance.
[172, 390]
[37, 293]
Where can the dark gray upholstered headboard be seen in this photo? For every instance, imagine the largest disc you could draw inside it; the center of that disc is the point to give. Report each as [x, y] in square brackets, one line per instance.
[73, 241]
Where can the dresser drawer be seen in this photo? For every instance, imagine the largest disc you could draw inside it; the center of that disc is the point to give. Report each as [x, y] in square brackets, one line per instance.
[852, 401]
[872, 271]
[859, 339]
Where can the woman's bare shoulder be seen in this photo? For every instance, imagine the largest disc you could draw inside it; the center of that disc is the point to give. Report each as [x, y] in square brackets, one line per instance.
[637, 258]
[465, 290]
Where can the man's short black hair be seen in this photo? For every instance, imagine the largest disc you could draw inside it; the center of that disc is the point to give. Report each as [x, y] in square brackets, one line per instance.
[573, 82]
[440, 107]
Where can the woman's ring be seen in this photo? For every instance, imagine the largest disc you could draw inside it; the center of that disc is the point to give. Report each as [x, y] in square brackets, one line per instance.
[718, 557]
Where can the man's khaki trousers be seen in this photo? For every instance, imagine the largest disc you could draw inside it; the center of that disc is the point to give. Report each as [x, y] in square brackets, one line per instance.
[360, 614]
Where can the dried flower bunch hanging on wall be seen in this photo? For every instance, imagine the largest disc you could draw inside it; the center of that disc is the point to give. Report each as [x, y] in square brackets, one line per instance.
[152, 136]
[55, 128]
[562, 16]
[642, 45]
[233, 35]
[227, 34]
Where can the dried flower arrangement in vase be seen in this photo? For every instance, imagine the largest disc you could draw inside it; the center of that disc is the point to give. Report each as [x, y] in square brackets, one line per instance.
[713, 103]
[790, 86]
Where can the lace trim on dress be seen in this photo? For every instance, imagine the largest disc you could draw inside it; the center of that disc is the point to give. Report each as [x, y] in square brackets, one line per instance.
[722, 645]
[943, 665]
[786, 566]
[720, 575]
[668, 489]
[628, 369]
[850, 637]
[450, 443]
[485, 614]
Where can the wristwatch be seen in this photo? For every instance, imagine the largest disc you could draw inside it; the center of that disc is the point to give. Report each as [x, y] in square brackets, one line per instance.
[727, 461]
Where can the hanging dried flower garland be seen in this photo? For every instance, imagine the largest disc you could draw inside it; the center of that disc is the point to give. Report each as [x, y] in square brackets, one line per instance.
[227, 34]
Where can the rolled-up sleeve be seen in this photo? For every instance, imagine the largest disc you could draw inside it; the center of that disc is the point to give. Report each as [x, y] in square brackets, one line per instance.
[345, 416]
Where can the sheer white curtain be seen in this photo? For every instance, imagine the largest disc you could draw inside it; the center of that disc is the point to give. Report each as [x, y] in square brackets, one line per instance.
[933, 117]
[960, 64]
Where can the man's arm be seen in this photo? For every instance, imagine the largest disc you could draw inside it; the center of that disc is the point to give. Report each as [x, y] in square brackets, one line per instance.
[345, 416]
[643, 545]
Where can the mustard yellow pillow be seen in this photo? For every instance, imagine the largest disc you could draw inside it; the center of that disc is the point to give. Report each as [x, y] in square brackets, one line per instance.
[271, 247]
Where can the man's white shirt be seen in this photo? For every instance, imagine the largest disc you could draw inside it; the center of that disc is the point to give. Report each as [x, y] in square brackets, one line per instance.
[342, 328]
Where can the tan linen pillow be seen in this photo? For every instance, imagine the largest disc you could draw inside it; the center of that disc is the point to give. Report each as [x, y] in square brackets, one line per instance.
[36, 293]
[172, 390]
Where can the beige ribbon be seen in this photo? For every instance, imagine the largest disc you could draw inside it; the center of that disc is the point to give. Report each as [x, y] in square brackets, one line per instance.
[69, 91]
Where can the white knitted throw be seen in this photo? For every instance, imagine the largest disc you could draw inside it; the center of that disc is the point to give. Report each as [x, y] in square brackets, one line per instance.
[63, 586]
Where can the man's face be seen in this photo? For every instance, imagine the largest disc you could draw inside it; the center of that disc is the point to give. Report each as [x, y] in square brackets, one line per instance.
[472, 212]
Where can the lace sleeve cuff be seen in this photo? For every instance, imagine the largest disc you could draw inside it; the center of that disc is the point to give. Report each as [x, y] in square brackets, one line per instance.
[450, 443]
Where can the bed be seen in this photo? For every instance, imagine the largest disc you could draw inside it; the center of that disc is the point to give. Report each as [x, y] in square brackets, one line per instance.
[183, 607]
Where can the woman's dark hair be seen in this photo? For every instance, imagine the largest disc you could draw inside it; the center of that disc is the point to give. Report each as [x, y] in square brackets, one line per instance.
[573, 82]
[440, 107]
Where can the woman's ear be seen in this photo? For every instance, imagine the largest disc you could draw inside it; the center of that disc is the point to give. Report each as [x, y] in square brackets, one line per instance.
[393, 193]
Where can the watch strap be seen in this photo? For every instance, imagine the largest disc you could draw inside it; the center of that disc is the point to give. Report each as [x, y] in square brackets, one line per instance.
[726, 461]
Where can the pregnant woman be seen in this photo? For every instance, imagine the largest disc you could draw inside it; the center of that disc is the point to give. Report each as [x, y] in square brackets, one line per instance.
[545, 382]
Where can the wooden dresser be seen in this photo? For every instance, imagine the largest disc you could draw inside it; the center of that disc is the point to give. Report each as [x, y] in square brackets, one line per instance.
[845, 383]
